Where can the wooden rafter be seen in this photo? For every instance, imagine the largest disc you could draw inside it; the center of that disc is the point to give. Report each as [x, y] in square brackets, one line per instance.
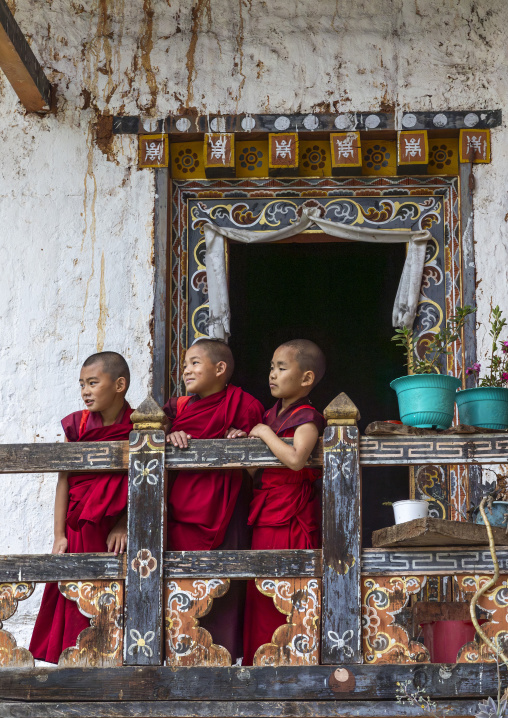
[20, 65]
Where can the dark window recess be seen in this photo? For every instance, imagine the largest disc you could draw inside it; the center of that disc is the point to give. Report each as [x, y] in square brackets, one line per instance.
[341, 296]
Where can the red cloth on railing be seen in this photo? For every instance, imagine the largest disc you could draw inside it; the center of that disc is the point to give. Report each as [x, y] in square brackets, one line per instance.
[201, 503]
[285, 514]
[96, 502]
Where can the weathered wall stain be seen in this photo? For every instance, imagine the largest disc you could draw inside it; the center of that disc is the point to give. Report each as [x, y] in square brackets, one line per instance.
[103, 311]
[90, 221]
[146, 46]
[198, 12]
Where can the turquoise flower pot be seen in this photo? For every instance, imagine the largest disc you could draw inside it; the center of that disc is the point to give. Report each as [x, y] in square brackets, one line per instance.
[426, 400]
[497, 516]
[485, 406]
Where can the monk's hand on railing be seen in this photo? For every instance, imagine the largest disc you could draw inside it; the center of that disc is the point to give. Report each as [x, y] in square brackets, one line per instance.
[179, 439]
[59, 545]
[233, 433]
[117, 538]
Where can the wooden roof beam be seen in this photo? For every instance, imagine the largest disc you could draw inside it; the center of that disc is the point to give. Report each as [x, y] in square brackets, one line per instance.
[20, 65]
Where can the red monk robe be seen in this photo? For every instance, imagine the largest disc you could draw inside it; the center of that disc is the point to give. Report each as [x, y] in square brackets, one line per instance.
[285, 514]
[209, 509]
[96, 502]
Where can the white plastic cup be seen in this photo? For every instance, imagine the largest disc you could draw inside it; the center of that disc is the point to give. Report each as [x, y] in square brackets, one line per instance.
[410, 509]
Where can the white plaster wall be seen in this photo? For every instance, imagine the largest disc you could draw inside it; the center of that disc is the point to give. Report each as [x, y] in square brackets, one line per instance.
[70, 212]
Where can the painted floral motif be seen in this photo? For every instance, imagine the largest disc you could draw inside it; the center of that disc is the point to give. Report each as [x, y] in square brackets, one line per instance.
[494, 602]
[386, 636]
[199, 281]
[376, 157]
[314, 158]
[187, 643]
[370, 621]
[140, 642]
[102, 643]
[440, 156]
[187, 161]
[250, 158]
[144, 562]
[341, 643]
[145, 472]
[297, 641]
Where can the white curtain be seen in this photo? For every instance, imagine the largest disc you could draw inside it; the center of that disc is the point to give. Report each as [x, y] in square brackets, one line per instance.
[408, 292]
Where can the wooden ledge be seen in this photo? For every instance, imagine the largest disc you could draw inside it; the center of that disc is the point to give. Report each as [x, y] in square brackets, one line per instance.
[437, 532]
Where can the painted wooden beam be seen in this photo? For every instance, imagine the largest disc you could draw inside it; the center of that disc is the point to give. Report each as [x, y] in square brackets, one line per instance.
[238, 709]
[20, 65]
[336, 683]
[41, 568]
[438, 448]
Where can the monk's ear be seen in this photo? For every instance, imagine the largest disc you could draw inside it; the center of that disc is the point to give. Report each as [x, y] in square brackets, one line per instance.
[308, 378]
[221, 368]
[121, 384]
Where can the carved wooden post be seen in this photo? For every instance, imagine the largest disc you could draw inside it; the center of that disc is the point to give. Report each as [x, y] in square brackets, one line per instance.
[144, 615]
[341, 615]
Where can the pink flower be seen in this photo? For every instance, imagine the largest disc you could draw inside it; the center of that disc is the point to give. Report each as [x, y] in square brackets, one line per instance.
[474, 369]
[504, 376]
[504, 347]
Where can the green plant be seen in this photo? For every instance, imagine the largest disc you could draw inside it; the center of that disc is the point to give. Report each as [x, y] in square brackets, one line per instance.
[437, 347]
[497, 373]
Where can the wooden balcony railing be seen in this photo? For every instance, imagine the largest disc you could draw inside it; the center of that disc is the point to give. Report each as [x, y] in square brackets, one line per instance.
[138, 617]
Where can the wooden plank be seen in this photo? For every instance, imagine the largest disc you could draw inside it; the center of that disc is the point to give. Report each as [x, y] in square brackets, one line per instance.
[75, 457]
[341, 632]
[20, 65]
[240, 453]
[230, 454]
[437, 532]
[231, 709]
[438, 449]
[299, 683]
[425, 562]
[43, 568]
[144, 614]
[243, 564]
[160, 362]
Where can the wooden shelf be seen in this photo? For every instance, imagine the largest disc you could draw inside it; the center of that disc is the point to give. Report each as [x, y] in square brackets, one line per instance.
[437, 532]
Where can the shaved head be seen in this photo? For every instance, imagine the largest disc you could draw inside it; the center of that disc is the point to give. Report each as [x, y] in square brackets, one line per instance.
[217, 350]
[309, 356]
[113, 364]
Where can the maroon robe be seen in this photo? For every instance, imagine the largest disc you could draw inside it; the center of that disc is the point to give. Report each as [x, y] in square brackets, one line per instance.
[96, 502]
[285, 514]
[209, 509]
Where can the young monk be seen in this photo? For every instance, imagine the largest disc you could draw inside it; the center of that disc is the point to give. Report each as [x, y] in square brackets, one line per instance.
[90, 509]
[208, 509]
[285, 510]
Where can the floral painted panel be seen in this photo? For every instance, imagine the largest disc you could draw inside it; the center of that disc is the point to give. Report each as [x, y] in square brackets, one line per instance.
[387, 623]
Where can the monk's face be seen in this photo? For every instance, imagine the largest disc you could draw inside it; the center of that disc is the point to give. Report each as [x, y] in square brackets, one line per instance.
[200, 374]
[287, 380]
[98, 388]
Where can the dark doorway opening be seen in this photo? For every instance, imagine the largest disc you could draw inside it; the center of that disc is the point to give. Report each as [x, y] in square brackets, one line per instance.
[340, 295]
